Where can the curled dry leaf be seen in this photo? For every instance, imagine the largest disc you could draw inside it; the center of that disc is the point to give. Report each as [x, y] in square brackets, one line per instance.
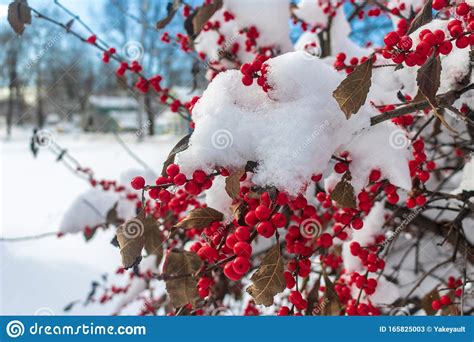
[428, 78]
[180, 267]
[422, 18]
[352, 92]
[171, 8]
[331, 305]
[194, 23]
[179, 147]
[343, 193]
[200, 218]
[268, 280]
[232, 183]
[130, 237]
[19, 14]
[153, 239]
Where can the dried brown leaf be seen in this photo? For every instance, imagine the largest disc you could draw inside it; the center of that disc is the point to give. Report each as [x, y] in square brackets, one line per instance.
[171, 8]
[179, 147]
[427, 300]
[182, 289]
[428, 78]
[19, 14]
[332, 306]
[153, 239]
[343, 193]
[130, 237]
[352, 92]
[200, 218]
[232, 183]
[268, 280]
[422, 18]
[199, 17]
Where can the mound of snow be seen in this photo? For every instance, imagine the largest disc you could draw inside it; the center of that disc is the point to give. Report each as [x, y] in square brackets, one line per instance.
[291, 132]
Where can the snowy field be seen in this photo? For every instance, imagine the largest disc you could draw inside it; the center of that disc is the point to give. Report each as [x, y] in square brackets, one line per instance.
[44, 275]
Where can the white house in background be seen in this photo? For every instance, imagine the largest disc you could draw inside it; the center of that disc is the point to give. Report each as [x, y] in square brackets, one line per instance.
[112, 113]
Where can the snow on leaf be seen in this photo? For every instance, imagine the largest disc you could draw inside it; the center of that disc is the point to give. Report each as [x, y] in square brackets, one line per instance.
[179, 147]
[352, 92]
[422, 18]
[232, 183]
[428, 78]
[130, 237]
[268, 280]
[343, 193]
[200, 218]
[19, 14]
[183, 287]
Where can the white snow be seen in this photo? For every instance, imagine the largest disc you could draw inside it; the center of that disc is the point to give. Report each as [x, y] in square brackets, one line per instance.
[292, 131]
[467, 181]
[35, 195]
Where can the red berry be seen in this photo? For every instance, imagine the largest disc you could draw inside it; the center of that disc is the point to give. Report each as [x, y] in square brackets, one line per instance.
[199, 176]
[250, 218]
[445, 300]
[247, 80]
[421, 200]
[445, 47]
[340, 167]
[179, 179]
[393, 198]
[242, 233]
[462, 42]
[265, 229]
[278, 220]
[325, 240]
[462, 9]
[262, 212]
[172, 170]
[436, 305]
[289, 280]
[230, 272]
[374, 175]
[241, 265]
[439, 4]
[138, 183]
[410, 202]
[242, 248]
[355, 248]
[391, 38]
[357, 223]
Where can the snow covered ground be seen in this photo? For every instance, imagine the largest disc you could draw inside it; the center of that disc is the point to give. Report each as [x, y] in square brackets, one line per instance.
[44, 275]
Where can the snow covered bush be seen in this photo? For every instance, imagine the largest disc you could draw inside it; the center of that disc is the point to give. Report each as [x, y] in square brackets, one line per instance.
[320, 177]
